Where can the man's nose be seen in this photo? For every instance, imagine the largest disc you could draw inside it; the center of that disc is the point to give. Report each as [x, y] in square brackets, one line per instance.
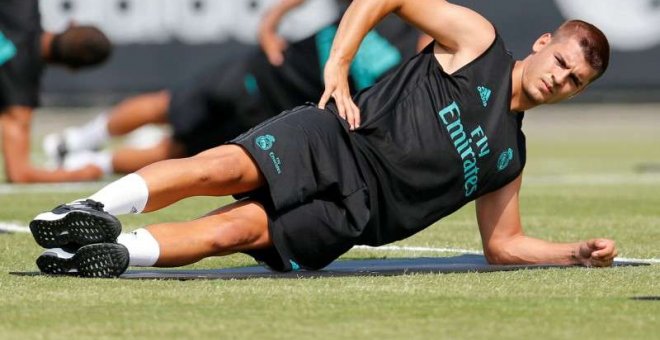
[560, 75]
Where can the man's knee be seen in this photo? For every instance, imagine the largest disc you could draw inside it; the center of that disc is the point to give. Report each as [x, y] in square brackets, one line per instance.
[163, 99]
[169, 148]
[230, 163]
[239, 234]
[153, 106]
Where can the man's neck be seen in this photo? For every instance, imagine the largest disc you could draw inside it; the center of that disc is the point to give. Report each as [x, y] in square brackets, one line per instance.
[519, 102]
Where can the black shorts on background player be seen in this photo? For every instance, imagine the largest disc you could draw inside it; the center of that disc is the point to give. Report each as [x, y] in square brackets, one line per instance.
[20, 74]
[206, 111]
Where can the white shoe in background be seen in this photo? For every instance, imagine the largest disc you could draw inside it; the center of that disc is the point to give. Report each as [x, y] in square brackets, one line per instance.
[55, 149]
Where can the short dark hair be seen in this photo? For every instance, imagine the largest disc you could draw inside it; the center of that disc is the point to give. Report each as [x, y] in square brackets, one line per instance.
[593, 41]
[81, 46]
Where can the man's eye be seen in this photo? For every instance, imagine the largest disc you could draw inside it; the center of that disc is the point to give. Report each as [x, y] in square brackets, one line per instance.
[575, 81]
[560, 61]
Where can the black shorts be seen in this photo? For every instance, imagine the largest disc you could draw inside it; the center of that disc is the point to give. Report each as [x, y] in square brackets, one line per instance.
[316, 198]
[21, 65]
[217, 105]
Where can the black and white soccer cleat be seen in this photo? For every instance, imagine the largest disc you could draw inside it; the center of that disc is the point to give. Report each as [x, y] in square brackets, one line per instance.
[74, 225]
[93, 260]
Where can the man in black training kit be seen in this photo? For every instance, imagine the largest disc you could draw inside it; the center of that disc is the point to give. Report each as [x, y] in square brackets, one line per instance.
[24, 50]
[442, 130]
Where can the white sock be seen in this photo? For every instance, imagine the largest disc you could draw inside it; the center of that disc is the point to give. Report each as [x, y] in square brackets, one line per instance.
[143, 249]
[127, 195]
[80, 159]
[89, 136]
[103, 160]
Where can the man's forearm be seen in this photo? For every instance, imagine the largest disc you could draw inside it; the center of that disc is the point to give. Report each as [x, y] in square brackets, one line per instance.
[15, 130]
[360, 17]
[528, 250]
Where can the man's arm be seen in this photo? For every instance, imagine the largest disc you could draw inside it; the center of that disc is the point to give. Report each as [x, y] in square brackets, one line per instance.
[15, 129]
[272, 44]
[461, 32]
[503, 240]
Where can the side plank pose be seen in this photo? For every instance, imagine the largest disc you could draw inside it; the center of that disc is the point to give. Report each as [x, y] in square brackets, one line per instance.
[442, 130]
[25, 50]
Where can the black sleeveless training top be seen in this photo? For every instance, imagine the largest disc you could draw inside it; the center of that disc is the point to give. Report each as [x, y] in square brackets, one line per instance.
[430, 142]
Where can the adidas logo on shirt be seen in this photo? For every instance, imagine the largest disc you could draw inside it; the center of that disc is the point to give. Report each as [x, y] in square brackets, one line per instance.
[484, 93]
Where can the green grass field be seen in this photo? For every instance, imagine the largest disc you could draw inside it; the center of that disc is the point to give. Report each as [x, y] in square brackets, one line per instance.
[593, 170]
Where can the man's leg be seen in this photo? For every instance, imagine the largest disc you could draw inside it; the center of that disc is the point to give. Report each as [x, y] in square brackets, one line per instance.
[127, 159]
[221, 171]
[240, 226]
[224, 170]
[130, 114]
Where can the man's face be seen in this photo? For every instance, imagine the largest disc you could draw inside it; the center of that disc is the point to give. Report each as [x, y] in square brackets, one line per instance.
[556, 70]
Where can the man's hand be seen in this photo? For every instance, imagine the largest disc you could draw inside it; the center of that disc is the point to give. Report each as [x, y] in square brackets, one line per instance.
[89, 172]
[271, 43]
[598, 252]
[273, 46]
[336, 87]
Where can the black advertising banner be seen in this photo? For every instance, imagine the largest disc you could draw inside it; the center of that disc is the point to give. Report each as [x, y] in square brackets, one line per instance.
[162, 42]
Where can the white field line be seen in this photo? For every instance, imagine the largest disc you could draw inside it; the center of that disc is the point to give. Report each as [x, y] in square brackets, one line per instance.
[51, 188]
[11, 227]
[598, 179]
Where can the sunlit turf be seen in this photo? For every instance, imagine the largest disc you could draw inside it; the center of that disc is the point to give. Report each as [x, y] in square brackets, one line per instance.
[551, 304]
[566, 303]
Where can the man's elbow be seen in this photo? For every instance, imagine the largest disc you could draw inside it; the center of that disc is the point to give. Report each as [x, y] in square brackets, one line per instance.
[499, 255]
[18, 179]
[493, 257]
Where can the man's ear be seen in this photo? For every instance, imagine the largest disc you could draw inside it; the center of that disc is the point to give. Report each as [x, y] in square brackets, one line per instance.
[541, 42]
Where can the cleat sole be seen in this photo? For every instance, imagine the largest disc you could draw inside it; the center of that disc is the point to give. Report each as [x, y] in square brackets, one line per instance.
[102, 260]
[74, 229]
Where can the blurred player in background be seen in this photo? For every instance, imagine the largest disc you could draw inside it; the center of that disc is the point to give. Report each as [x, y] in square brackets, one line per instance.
[232, 96]
[25, 49]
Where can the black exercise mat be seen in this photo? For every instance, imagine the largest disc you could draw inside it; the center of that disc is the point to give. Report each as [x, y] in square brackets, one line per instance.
[372, 267]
